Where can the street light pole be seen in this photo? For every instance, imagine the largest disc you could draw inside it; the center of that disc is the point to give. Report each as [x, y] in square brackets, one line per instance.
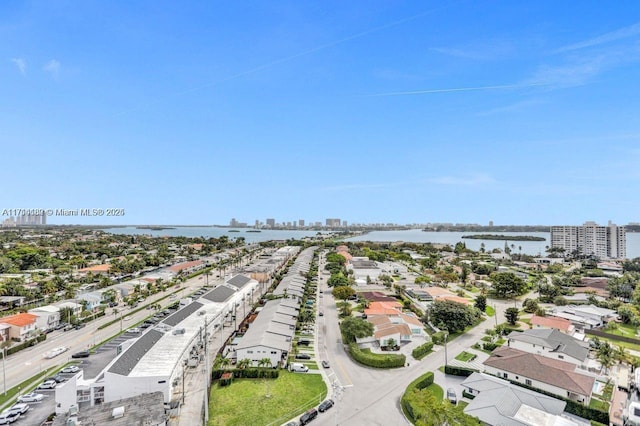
[495, 313]
[4, 365]
[446, 335]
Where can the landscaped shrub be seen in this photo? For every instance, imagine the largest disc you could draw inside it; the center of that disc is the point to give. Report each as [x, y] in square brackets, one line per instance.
[438, 338]
[420, 383]
[366, 357]
[458, 371]
[25, 344]
[422, 350]
[247, 373]
[423, 381]
[467, 394]
[489, 346]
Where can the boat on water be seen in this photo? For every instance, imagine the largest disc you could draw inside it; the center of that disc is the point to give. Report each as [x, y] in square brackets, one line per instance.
[254, 230]
[154, 228]
[233, 230]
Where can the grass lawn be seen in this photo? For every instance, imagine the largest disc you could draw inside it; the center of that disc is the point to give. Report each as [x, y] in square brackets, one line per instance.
[245, 401]
[608, 392]
[617, 343]
[599, 405]
[436, 391]
[486, 339]
[462, 404]
[465, 357]
[625, 330]
[489, 311]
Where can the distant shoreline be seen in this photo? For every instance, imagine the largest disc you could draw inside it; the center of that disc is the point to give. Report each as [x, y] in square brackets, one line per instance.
[504, 237]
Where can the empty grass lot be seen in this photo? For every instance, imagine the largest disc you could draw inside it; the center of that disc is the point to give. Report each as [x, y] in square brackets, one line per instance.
[465, 357]
[245, 401]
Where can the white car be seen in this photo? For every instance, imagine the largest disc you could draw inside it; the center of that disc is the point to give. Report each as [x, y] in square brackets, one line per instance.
[70, 369]
[31, 397]
[8, 416]
[19, 408]
[49, 384]
[55, 352]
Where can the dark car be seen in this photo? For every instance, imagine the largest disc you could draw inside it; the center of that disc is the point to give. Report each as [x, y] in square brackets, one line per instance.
[325, 405]
[57, 378]
[308, 416]
[303, 356]
[81, 354]
[79, 326]
[304, 342]
[325, 364]
[61, 326]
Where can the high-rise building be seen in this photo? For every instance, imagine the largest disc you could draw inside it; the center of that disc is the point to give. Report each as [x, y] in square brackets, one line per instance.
[332, 222]
[271, 223]
[301, 223]
[591, 239]
[233, 222]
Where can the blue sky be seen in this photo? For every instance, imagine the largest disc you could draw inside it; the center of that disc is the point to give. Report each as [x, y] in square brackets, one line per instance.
[407, 112]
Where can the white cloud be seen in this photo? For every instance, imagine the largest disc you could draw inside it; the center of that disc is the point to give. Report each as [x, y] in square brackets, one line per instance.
[464, 89]
[53, 67]
[618, 34]
[21, 64]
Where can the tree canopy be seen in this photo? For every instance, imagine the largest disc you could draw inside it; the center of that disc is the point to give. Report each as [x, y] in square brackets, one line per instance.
[452, 316]
[352, 328]
[507, 284]
[343, 292]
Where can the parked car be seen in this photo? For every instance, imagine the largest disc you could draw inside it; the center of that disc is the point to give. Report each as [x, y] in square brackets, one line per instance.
[292, 424]
[325, 364]
[451, 396]
[20, 408]
[70, 369]
[79, 326]
[8, 416]
[303, 356]
[81, 354]
[135, 330]
[61, 326]
[48, 384]
[320, 314]
[304, 342]
[308, 416]
[325, 405]
[31, 397]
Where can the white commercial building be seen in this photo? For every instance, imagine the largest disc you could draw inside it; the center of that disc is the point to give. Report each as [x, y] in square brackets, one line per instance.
[591, 239]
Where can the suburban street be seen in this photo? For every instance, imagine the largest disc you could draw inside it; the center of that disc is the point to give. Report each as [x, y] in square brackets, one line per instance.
[372, 396]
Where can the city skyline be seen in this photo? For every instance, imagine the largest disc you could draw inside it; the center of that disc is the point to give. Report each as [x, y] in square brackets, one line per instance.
[195, 113]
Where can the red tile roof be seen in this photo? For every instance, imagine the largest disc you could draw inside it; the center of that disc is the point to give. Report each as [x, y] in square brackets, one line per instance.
[186, 265]
[551, 322]
[96, 268]
[19, 320]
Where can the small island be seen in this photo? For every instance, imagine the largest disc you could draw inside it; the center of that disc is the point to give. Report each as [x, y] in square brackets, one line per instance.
[504, 237]
[155, 228]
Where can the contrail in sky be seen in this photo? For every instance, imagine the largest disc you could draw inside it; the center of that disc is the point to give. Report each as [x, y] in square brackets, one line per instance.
[461, 89]
[300, 54]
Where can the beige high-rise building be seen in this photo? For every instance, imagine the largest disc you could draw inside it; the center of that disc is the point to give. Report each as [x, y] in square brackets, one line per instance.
[591, 239]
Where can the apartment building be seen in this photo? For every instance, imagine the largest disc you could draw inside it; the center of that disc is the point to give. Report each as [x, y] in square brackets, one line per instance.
[604, 242]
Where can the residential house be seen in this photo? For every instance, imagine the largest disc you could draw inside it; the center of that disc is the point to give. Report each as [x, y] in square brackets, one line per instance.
[499, 402]
[186, 267]
[48, 317]
[76, 308]
[364, 268]
[551, 343]
[585, 317]
[23, 326]
[551, 375]
[560, 324]
[91, 300]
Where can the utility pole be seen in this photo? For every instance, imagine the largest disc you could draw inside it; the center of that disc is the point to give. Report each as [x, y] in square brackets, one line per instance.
[495, 313]
[446, 335]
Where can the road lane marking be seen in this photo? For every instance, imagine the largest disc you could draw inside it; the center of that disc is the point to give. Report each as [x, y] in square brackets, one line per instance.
[344, 373]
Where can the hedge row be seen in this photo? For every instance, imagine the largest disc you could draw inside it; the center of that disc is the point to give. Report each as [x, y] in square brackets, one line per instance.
[573, 407]
[422, 350]
[420, 383]
[247, 373]
[458, 371]
[12, 350]
[366, 357]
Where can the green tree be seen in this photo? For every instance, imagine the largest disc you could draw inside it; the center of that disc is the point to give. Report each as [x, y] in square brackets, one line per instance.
[335, 258]
[530, 305]
[507, 284]
[452, 315]
[422, 280]
[352, 328]
[481, 302]
[512, 315]
[343, 292]
[387, 280]
[338, 280]
[345, 308]
[429, 411]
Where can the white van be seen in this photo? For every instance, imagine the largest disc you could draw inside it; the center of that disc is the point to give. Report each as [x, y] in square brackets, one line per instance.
[297, 367]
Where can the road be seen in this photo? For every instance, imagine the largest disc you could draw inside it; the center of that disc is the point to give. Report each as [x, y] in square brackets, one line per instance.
[370, 396]
[29, 362]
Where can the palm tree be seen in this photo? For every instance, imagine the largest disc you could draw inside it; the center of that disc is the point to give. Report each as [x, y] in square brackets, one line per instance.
[244, 363]
[621, 354]
[265, 362]
[225, 362]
